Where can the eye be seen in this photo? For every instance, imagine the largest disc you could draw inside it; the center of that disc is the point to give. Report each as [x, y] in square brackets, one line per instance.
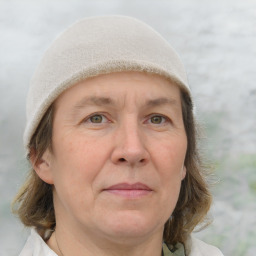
[96, 119]
[157, 119]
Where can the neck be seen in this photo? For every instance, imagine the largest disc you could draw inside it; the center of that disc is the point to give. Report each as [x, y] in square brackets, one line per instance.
[67, 244]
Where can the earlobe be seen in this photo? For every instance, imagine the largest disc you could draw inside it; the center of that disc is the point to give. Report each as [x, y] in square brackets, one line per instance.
[183, 172]
[42, 166]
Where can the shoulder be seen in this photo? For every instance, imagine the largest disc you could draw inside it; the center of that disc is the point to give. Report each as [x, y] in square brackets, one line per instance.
[196, 247]
[36, 246]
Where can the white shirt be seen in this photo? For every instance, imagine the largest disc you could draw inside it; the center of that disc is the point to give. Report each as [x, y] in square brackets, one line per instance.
[36, 246]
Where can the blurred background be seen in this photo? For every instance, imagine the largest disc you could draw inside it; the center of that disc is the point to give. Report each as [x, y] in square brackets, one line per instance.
[217, 43]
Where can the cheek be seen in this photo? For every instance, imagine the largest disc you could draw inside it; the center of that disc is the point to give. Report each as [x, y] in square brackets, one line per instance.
[170, 156]
[79, 150]
[78, 161]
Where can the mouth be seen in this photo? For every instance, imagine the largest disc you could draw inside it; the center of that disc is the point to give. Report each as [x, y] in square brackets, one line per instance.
[127, 190]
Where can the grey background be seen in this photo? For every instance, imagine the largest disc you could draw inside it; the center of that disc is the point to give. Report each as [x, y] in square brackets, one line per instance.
[217, 43]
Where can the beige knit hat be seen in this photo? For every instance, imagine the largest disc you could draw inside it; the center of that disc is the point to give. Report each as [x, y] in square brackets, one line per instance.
[95, 46]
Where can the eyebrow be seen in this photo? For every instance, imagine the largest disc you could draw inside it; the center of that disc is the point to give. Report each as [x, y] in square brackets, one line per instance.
[106, 101]
[93, 100]
[161, 101]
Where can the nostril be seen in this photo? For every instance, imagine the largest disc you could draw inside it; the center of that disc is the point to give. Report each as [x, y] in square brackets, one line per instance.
[123, 160]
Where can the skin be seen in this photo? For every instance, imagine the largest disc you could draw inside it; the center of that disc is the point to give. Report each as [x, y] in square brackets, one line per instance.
[113, 129]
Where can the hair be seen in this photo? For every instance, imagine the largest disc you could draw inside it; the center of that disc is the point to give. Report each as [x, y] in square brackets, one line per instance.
[34, 202]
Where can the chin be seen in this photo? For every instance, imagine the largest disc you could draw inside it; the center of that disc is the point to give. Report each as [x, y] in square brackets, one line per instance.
[131, 226]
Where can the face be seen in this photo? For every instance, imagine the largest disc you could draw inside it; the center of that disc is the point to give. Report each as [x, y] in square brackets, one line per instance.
[118, 153]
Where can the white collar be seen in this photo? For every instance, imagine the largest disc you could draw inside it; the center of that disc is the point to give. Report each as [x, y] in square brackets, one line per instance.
[36, 246]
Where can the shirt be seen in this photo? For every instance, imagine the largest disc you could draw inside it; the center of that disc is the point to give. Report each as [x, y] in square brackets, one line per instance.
[36, 246]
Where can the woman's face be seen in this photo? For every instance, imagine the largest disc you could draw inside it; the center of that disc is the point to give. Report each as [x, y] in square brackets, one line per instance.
[117, 162]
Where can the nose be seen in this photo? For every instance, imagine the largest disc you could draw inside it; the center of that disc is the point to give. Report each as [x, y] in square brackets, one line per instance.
[130, 146]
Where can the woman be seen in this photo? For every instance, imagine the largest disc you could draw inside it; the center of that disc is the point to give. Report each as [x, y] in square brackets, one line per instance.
[112, 143]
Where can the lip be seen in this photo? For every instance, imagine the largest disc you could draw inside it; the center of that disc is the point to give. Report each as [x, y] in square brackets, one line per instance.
[127, 186]
[129, 190]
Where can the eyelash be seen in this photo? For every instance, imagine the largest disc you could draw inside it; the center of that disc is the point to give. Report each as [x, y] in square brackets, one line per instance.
[166, 119]
[88, 119]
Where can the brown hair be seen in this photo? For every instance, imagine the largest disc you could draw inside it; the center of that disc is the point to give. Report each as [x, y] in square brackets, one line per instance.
[195, 198]
[35, 199]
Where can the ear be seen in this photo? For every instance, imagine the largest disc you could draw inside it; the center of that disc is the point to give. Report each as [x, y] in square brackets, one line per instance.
[42, 166]
[183, 172]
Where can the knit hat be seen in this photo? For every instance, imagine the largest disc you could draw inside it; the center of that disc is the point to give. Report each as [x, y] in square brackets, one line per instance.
[95, 46]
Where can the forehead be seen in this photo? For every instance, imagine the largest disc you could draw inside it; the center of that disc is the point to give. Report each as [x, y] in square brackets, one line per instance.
[117, 87]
